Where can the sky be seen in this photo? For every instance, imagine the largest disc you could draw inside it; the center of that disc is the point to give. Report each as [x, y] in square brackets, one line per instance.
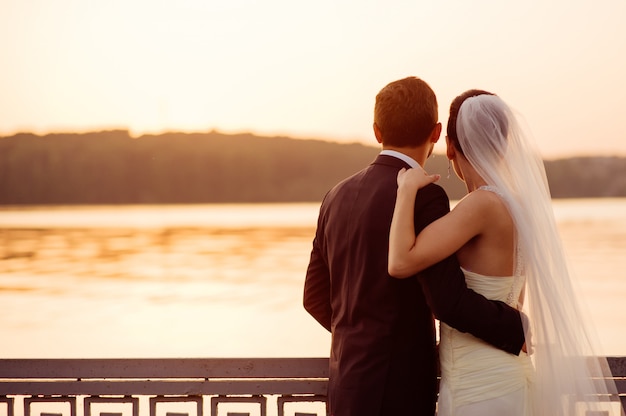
[310, 69]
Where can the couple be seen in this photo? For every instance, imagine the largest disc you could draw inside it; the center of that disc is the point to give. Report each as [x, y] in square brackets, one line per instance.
[388, 254]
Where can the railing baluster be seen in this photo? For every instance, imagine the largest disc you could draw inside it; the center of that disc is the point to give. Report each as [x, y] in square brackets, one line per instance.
[154, 401]
[9, 402]
[49, 399]
[260, 400]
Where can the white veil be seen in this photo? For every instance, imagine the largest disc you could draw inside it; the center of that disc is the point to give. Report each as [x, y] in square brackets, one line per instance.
[569, 371]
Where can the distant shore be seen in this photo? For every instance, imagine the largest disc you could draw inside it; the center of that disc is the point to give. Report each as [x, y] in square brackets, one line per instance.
[112, 167]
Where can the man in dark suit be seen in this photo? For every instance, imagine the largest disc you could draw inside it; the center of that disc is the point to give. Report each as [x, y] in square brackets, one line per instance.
[383, 359]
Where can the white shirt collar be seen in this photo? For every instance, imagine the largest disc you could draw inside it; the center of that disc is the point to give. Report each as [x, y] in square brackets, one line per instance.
[412, 163]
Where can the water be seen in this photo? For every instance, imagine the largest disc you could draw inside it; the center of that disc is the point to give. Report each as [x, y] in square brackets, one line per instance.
[216, 280]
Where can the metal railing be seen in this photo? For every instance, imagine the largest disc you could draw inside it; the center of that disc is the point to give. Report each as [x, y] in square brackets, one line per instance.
[162, 387]
[176, 387]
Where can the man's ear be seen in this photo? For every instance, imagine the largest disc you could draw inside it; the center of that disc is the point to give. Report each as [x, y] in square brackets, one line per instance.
[378, 134]
[436, 133]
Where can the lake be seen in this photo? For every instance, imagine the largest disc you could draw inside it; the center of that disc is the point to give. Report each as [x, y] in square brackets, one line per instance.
[218, 280]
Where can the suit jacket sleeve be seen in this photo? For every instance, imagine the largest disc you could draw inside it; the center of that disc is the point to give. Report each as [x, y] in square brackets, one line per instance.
[448, 295]
[317, 282]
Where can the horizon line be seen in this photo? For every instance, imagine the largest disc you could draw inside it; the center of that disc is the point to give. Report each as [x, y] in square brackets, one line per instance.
[135, 135]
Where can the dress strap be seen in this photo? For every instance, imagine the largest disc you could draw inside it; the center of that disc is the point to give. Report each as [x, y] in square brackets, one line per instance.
[490, 189]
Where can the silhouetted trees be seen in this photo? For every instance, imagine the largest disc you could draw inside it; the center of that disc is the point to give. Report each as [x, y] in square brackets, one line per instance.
[587, 177]
[111, 167]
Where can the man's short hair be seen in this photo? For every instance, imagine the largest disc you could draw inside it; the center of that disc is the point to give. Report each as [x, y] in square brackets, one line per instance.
[406, 112]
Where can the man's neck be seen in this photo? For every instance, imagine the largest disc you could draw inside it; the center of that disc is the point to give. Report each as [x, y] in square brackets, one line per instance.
[419, 154]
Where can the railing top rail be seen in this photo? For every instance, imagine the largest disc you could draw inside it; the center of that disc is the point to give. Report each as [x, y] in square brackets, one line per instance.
[166, 368]
[185, 368]
[189, 376]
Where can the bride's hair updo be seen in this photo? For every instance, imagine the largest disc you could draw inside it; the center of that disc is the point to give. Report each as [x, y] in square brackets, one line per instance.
[479, 119]
[455, 106]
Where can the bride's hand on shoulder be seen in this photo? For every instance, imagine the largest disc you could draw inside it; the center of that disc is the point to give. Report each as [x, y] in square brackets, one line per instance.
[414, 179]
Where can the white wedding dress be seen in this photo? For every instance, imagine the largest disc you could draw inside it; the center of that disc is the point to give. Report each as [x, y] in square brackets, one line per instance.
[477, 378]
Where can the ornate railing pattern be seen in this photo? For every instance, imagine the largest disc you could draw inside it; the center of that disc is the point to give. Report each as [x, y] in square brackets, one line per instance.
[176, 387]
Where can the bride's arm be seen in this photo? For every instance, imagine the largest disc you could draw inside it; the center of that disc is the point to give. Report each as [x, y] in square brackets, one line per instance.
[408, 253]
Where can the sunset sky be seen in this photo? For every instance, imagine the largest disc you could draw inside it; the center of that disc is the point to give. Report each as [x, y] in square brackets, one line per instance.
[310, 69]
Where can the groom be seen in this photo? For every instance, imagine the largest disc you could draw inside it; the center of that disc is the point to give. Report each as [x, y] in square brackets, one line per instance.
[383, 358]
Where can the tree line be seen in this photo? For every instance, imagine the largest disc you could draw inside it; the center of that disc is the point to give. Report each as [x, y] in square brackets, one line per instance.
[111, 167]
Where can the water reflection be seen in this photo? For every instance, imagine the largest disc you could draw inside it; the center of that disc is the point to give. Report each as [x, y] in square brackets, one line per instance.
[147, 282]
[170, 253]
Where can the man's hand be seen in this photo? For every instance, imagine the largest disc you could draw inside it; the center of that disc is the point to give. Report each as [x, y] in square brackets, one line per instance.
[528, 344]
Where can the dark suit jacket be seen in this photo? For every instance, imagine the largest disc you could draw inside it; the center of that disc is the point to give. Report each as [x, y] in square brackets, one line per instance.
[383, 355]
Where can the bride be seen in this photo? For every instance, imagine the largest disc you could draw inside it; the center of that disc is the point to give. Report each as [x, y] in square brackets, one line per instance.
[504, 235]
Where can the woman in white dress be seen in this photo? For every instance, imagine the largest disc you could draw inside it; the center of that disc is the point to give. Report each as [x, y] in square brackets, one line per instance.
[504, 235]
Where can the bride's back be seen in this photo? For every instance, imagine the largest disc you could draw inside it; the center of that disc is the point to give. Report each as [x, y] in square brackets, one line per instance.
[492, 252]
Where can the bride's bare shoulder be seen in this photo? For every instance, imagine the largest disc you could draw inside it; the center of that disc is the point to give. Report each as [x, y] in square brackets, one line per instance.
[482, 202]
[479, 197]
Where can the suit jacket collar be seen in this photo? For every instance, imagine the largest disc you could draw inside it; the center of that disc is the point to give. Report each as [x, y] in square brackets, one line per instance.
[408, 159]
[391, 161]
